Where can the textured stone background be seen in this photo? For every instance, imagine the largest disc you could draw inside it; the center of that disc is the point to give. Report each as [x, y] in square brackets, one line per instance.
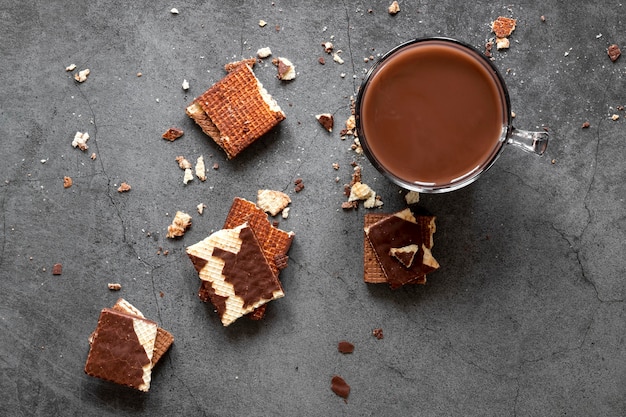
[525, 318]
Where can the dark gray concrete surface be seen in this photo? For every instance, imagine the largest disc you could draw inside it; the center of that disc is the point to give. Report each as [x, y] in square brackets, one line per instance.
[526, 316]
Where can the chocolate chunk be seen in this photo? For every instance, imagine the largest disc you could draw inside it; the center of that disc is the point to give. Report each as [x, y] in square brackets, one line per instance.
[345, 347]
[57, 269]
[340, 387]
[614, 52]
[378, 333]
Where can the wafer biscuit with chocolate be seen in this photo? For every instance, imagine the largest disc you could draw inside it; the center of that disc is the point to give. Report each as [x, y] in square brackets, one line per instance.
[239, 277]
[274, 241]
[398, 231]
[122, 349]
[164, 339]
[236, 111]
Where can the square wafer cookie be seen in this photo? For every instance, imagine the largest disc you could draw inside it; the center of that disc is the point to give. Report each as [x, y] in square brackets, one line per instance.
[274, 241]
[399, 231]
[236, 111]
[122, 349]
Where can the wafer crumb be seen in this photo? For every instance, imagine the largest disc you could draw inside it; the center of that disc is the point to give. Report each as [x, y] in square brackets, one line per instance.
[262, 23]
[124, 187]
[200, 169]
[70, 67]
[67, 182]
[80, 141]
[200, 207]
[263, 52]
[185, 85]
[114, 286]
[180, 224]
[81, 76]
[328, 47]
[326, 120]
[393, 8]
[271, 201]
[183, 163]
[172, 134]
[286, 69]
[412, 197]
[337, 58]
[93, 156]
[188, 176]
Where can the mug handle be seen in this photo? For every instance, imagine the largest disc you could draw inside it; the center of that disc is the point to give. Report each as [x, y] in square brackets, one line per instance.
[533, 142]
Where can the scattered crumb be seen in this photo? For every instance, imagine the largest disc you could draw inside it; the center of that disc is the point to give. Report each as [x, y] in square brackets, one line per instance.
[351, 123]
[271, 201]
[321, 60]
[356, 146]
[93, 156]
[114, 286]
[328, 47]
[359, 191]
[185, 85]
[81, 76]
[393, 8]
[412, 197]
[503, 27]
[124, 187]
[488, 48]
[345, 347]
[183, 163]
[262, 23]
[200, 169]
[174, 11]
[542, 18]
[216, 166]
[139, 74]
[337, 58]
[67, 182]
[326, 120]
[513, 115]
[71, 67]
[615, 117]
[172, 134]
[57, 269]
[80, 141]
[614, 52]
[585, 125]
[188, 176]
[264, 52]
[553, 161]
[180, 224]
[285, 212]
[335, 166]
[349, 205]
[377, 333]
[299, 185]
[286, 69]
[200, 207]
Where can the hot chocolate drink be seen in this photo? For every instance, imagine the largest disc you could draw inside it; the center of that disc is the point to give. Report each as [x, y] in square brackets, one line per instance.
[433, 113]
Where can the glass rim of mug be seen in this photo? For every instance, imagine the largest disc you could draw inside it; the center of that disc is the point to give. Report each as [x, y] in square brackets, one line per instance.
[465, 179]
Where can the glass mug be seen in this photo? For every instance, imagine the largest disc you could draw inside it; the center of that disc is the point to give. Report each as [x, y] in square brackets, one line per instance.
[433, 114]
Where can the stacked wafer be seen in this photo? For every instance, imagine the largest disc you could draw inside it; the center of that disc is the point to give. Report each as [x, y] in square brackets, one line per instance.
[126, 346]
[236, 111]
[239, 265]
[397, 248]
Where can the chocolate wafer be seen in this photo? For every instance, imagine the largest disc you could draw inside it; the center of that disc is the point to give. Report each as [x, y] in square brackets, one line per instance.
[122, 349]
[398, 231]
[236, 111]
[274, 241]
[236, 275]
[164, 339]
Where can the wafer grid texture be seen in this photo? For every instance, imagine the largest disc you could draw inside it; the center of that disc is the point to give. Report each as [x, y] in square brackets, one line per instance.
[236, 111]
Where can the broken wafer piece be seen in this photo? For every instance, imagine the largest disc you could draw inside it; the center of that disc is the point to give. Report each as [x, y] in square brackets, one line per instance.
[503, 26]
[286, 69]
[235, 274]
[405, 255]
[326, 120]
[236, 111]
[272, 202]
[122, 349]
[397, 231]
[179, 226]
